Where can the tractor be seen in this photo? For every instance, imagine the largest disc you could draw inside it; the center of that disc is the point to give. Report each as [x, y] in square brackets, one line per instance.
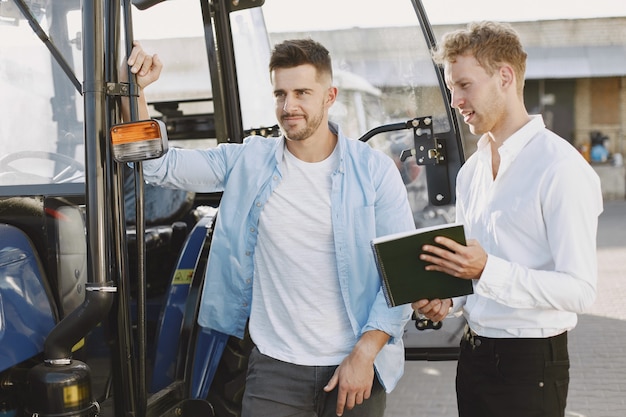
[101, 274]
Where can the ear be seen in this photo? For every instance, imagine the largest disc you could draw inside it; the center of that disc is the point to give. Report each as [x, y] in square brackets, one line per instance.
[507, 76]
[331, 96]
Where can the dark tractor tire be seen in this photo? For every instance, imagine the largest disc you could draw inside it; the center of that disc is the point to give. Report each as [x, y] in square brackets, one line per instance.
[228, 385]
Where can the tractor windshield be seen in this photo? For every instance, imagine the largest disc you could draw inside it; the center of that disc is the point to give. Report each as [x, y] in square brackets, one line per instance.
[41, 133]
[382, 68]
[385, 75]
[382, 65]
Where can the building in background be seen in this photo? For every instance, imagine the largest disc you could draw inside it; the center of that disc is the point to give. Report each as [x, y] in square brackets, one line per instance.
[576, 78]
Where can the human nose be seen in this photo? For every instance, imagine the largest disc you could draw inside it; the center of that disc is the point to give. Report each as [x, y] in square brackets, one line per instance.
[289, 103]
[455, 99]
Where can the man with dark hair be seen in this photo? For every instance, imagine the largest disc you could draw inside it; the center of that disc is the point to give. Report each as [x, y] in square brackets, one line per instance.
[291, 247]
[530, 204]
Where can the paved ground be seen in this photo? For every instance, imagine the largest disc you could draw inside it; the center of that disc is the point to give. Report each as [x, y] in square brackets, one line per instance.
[597, 346]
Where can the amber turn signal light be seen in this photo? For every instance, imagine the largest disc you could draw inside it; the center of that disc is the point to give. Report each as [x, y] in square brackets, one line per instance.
[139, 141]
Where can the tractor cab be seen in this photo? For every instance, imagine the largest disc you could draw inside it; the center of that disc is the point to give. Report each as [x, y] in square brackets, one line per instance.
[100, 273]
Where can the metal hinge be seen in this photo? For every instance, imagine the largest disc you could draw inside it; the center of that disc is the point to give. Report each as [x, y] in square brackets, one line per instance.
[428, 150]
[122, 89]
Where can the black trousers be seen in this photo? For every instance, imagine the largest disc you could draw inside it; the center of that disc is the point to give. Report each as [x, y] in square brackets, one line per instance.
[515, 377]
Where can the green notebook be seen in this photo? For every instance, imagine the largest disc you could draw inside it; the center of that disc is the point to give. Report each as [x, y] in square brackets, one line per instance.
[404, 279]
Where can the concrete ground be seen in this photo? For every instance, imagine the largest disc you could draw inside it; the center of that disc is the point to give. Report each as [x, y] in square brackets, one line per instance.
[597, 346]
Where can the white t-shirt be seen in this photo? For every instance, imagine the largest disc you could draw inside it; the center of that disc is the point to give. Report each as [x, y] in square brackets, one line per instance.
[298, 314]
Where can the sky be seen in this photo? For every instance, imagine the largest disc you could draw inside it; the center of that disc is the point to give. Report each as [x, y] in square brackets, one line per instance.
[438, 11]
[287, 15]
[456, 11]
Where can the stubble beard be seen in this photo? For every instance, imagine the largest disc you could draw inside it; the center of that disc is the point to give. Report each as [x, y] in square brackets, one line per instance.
[489, 116]
[311, 125]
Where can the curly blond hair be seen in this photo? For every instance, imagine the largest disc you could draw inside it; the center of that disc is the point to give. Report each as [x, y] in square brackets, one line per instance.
[491, 43]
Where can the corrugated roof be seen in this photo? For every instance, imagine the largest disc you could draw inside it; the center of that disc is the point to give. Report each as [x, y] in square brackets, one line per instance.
[543, 63]
[576, 62]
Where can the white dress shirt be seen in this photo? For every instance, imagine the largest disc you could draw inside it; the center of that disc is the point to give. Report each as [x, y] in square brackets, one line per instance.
[537, 221]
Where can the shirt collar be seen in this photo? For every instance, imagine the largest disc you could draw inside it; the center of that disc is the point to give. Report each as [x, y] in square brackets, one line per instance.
[516, 142]
[341, 139]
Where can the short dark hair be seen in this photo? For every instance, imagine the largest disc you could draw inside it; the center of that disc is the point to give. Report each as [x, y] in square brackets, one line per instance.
[294, 52]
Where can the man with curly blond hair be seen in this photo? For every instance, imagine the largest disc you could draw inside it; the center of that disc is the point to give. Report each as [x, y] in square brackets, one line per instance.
[530, 204]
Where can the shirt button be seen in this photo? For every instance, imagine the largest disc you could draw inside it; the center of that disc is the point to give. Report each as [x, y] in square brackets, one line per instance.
[252, 230]
[258, 204]
[248, 281]
[245, 304]
[247, 253]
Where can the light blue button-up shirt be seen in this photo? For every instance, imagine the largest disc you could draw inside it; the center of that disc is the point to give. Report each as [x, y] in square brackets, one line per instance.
[368, 199]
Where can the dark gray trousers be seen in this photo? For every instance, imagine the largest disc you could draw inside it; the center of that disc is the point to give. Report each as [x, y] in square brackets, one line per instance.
[280, 389]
